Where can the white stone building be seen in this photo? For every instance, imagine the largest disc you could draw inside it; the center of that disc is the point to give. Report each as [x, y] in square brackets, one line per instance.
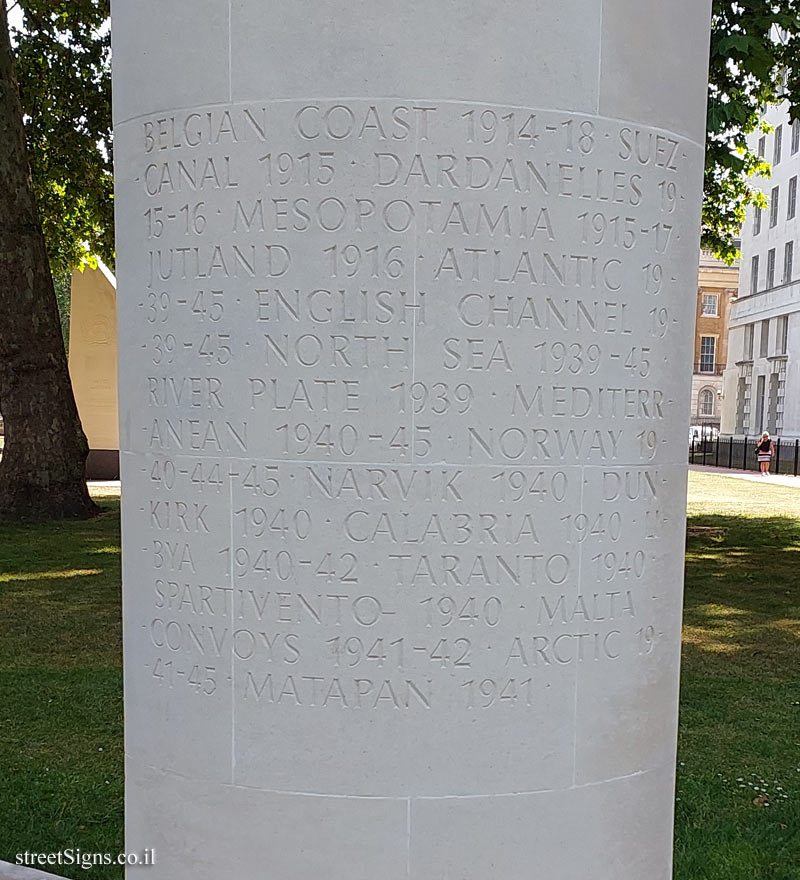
[761, 387]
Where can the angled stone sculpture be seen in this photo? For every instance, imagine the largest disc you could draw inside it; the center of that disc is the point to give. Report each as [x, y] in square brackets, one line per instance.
[404, 290]
[93, 366]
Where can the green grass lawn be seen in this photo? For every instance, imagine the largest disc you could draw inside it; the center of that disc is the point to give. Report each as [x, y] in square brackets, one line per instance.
[61, 780]
[738, 807]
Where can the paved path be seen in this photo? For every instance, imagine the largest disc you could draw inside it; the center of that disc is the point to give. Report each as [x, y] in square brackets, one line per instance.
[753, 476]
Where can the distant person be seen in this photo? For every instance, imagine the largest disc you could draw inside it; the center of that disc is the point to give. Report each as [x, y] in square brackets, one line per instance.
[765, 450]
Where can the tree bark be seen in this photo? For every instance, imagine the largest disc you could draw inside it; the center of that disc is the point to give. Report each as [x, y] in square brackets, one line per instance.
[42, 471]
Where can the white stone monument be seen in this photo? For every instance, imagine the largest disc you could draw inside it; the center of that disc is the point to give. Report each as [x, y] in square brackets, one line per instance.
[405, 296]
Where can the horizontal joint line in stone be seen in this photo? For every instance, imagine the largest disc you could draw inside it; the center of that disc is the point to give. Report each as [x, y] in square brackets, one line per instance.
[335, 462]
[587, 113]
[440, 797]
[401, 798]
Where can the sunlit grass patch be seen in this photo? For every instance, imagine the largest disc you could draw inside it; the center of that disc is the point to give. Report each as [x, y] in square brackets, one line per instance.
[718, 494]
[61, 779]
[721, 610]
[106, 549]
[47, 575]
[708, 640]
[104, 493]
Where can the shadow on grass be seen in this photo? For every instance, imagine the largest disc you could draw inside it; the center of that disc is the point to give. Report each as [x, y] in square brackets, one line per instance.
[738, 798]
[60, 592]
[61, 748]
[742, 597]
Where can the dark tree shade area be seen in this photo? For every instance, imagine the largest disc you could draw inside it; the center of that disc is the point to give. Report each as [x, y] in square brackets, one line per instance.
[42, 469]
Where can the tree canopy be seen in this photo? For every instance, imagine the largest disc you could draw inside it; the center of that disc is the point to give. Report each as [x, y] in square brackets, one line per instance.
[755, 61]
[63, 59]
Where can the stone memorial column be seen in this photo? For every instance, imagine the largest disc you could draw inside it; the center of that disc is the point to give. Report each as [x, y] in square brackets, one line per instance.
[406, 296]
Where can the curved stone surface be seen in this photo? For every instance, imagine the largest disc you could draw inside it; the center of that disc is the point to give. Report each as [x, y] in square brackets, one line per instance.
[405, 294]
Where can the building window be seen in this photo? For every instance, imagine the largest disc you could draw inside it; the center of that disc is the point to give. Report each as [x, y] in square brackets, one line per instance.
[764, 347]
[754, 274]
[773, 206]
[782, 339]
[762, 146]
[708, 351]
[749, 334]
[770, 268]
[706, 407]
[757, 221]
[791, 208]
[795, 136]
[710, 308]
[776, 153]
[788, 260]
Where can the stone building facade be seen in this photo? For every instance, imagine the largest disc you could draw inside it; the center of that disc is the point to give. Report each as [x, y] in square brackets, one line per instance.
[717, 288]
[761, 389]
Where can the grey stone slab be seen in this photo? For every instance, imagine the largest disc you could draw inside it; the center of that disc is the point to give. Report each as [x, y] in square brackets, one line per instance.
[284, 835]
[391, 49]
[9, 871]
[520, 836]
[173, 55]
[636, 77]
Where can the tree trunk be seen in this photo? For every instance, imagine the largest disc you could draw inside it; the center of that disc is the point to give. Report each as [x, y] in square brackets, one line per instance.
[43, 464]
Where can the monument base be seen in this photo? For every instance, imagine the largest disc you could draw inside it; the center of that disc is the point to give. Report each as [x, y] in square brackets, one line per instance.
[405, 289]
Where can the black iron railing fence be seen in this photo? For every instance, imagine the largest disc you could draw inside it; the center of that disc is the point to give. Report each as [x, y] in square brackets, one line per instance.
[740, 454]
